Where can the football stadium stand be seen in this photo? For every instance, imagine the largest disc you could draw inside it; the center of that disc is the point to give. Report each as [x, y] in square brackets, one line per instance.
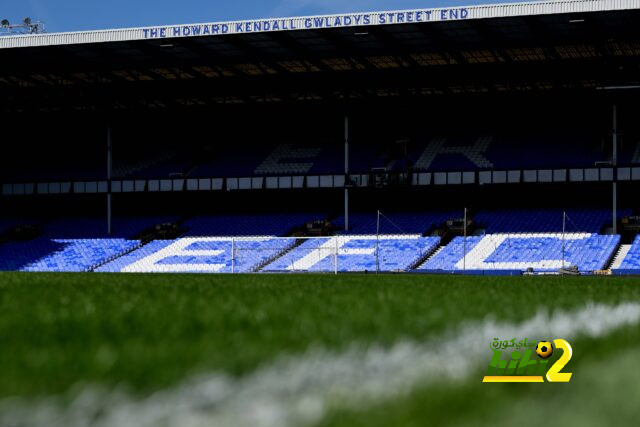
[307, 126]
[255, 243]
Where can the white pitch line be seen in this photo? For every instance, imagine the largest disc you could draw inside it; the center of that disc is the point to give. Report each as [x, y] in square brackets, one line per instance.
[300, 390]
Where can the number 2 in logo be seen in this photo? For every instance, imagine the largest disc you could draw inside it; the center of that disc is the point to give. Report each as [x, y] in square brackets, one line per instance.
[554, 374]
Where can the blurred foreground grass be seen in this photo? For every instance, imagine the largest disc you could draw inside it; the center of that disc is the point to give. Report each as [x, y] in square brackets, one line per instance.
[151, 331]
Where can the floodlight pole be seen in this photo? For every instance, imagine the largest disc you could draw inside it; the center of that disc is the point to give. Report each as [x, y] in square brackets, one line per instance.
[346, 173]
[109, 172]
[614, 163]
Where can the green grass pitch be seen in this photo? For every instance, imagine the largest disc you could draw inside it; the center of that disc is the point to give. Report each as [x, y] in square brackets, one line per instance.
[59, 332]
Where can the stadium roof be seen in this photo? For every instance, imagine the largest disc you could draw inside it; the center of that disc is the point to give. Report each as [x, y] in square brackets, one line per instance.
[581, 44]
[366, 19]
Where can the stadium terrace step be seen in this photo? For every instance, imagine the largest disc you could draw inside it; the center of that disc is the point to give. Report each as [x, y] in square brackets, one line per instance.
[434, 254]
[280, 254]
[630, 262]
[115, 256]
[620, 255]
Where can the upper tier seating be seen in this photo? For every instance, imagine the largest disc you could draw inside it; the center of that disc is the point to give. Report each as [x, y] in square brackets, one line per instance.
[286, 159]
[8, 224]
[273, 158]
[432, 154]
[161, 166]
[356, 253]
[541, 252]
[505, 152]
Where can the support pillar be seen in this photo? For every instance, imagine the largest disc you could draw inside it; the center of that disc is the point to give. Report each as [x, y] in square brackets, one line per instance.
[346, 173]
[614, 163]
[109, 170]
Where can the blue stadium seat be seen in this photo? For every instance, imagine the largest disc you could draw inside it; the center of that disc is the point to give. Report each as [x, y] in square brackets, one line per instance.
[78, 244]
[545, 220]
[7, 224]
[202, 255]
[82, 244]
[356, 254]
[118, 264]
[125, 228]
[394, 222]
[433, 153]
[247, 225]
[541, 252]
[459, 153]
[60, 255]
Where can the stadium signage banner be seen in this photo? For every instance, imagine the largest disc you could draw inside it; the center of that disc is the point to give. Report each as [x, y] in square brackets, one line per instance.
[287, 24]
[361, 20]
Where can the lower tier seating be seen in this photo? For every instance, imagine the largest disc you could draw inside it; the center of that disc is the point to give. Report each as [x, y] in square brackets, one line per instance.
[540, 252]
[214, 254]
[356, 253]
[201, 255]
[54, 255]
[74, 244]
[206, 245]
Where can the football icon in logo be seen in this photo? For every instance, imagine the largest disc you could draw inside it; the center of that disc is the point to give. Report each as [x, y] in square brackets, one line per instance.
[544, 349]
